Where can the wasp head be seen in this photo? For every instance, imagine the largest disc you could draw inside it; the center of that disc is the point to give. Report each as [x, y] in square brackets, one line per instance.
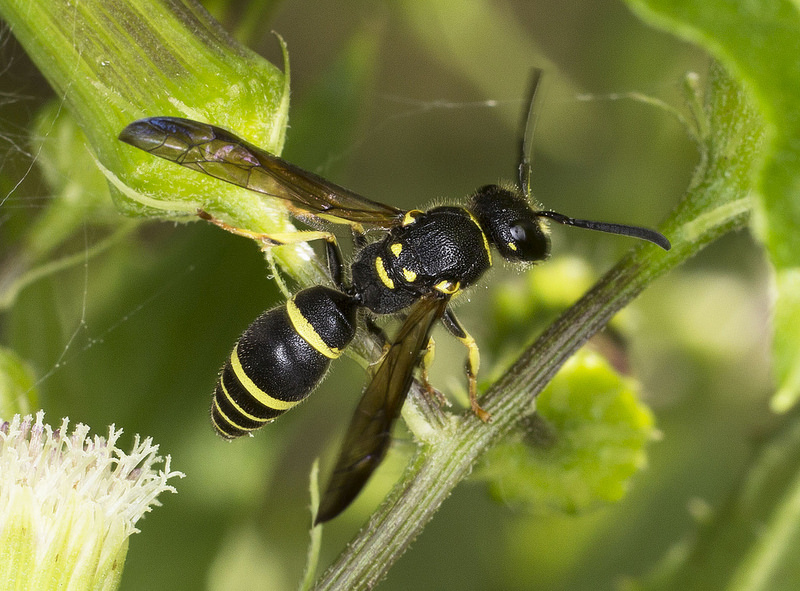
[510, 225]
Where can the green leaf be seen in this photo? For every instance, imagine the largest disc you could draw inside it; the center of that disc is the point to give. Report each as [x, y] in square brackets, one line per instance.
[138, 58]
[591, 441]
[759, 42]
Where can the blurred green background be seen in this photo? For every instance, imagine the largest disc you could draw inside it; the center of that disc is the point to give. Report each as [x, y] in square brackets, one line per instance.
[410, 103]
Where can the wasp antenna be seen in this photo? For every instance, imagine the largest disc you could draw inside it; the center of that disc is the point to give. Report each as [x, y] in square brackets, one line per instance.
[528, 125]
[656, 238]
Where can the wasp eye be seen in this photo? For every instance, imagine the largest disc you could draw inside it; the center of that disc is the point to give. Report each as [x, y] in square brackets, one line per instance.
[527, 241]
[518, 233]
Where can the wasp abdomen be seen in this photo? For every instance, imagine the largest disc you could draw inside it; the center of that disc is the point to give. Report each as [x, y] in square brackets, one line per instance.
[280, 359]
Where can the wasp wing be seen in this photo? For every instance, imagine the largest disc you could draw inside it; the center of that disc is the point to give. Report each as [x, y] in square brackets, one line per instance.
[222, 155]
[369, 433]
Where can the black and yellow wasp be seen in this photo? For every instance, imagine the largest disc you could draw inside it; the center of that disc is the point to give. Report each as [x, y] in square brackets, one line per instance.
[423, 259]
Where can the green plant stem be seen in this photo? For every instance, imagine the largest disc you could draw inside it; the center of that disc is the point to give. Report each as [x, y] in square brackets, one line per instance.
[715, 203]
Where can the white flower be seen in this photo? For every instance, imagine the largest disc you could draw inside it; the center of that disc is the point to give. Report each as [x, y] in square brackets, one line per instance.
[68, 503]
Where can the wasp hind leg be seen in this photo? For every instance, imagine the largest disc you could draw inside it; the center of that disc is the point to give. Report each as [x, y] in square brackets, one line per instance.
[472, 364]
[269, 240]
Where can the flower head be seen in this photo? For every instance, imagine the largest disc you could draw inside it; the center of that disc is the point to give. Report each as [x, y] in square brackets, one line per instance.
[69, 502]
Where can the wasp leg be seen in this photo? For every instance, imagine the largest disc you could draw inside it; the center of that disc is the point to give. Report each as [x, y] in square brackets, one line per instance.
[276, 273]
[269, 240]
[376, 331]
[472, 364]
[335, 262]
[427, 361]
[359, 238]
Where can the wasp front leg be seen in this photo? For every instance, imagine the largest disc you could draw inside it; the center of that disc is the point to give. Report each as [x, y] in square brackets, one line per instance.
[472, 364]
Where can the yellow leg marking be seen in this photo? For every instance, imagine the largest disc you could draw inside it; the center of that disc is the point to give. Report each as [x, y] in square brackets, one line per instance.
[276, 273]
[473, 362]
[282, 238]
[382, 274]
[269, 240]
[472, 366]
[357, 228]
[254, 390]
[427, 361]
[308, 333]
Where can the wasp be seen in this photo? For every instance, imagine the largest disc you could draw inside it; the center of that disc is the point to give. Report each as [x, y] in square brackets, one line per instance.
[420, 262]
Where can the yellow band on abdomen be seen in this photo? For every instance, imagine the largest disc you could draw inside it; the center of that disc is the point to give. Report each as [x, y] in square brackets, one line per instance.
[308, 333]
[254, 390]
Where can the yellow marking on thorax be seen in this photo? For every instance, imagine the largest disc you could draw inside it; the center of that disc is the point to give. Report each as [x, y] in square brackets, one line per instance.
[483, 235]
[411, 216]
[382, 274]
[408, 274]
[254, 390]
[512, 246]
[308, 333]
